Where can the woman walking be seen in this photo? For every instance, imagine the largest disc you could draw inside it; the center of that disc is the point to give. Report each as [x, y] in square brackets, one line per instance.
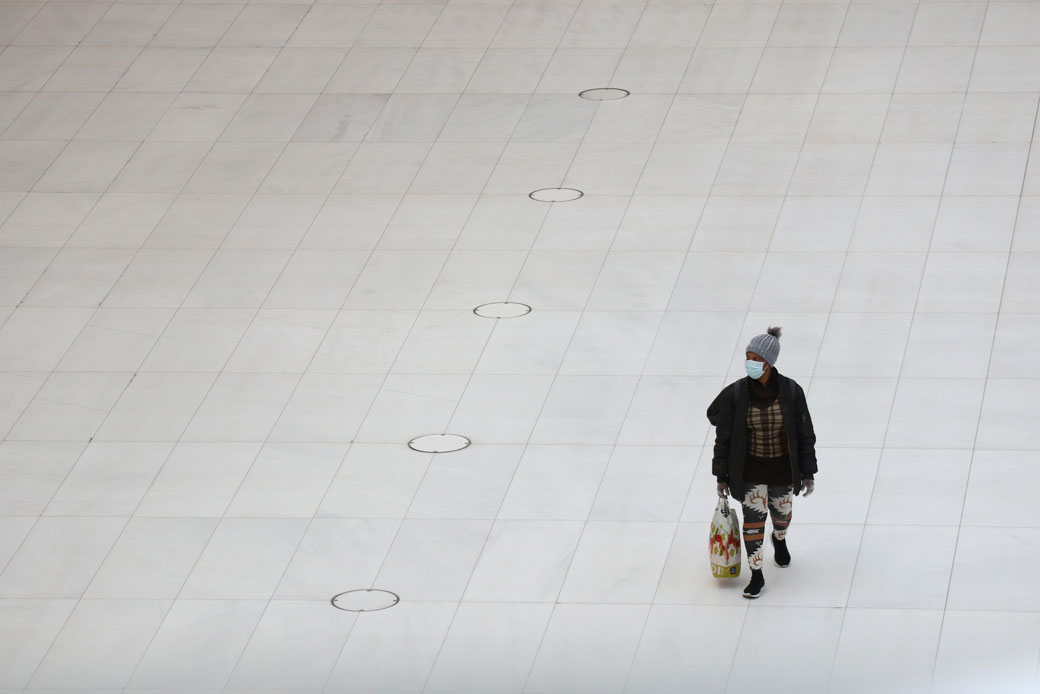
[765, 451]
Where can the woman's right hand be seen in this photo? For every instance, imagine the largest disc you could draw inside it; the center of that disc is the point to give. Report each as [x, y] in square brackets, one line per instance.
[723, 490]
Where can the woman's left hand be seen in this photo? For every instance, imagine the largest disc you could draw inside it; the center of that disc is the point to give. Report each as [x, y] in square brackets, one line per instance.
[807, 487]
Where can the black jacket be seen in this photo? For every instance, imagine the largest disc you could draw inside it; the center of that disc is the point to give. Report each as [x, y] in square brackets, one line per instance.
[728, 414]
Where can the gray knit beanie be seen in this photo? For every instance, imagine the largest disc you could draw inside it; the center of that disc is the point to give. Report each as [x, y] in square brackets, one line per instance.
[766, 346]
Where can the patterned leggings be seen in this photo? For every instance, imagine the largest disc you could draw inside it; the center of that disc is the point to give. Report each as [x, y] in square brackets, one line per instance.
[755, 511]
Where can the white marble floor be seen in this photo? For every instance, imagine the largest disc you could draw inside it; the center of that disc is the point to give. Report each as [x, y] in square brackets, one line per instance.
[240, 245]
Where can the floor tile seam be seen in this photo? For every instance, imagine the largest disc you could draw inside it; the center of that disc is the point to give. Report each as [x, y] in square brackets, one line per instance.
[728, 144]
[823, 605]
[902, 365]
[280, 442]
[509, 297]
[892, 92]
[588, 519]
[176, 310]
[102, 194]
[65, 478]
[705, 442]
[184, 582]
[371, 253]
[346, 52]
[15, 117]
[78, 600]
[472, 371]
[509, 293]
[985, 389]
[766, 253]
[393, 91]
[49, 3]
[38, 517]
[30, 190]
[494, 519]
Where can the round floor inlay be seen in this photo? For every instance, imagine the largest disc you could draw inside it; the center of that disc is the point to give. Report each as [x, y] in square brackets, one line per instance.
[604, 94]
[365, 600]
[439, 443]
[556, 194]
[502, 309]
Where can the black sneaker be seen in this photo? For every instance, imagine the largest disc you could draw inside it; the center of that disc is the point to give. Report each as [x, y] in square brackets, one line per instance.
[781, 557]
[757, 585]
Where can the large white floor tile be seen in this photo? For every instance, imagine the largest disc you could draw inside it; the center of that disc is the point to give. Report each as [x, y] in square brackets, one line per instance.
[588, 647]
[101, 644]
[1006, 416]
[59, 557]
[524, 561]
[326, 408]
[392, 650]
[618, 562]
[433, 559]
[295, 645]
[335, 556]
[32, 471]
[198, 479]
[919, 487]
[555, 483]
[905, 640]
[844, 487]
[241, 407]
[997, 478]
[764, 628]
[151, 559]
[470, 483]
[683, 398]
[976, 586]
[686, 647]
[834, 428]
[155, 407]
[903, 567]
[489, 645]
[585, 410]
[287, 480]
[375, 481]
[245, 559]
[109, 479]
[979, 648]
[646, 483]
[27, 632]
[212, 650]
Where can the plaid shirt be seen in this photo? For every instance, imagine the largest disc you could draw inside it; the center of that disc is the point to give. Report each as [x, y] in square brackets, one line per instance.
[766, 435]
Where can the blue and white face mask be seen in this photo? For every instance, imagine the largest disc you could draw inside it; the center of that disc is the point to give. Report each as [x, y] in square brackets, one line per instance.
[754, 369]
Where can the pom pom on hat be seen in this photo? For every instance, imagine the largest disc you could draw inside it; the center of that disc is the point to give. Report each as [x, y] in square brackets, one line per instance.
[766, 345]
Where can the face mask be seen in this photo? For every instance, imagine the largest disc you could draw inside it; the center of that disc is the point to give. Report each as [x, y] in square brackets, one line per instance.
[755, 369]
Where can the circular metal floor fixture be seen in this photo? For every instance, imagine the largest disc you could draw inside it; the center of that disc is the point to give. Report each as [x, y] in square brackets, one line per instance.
[556, 194]
[604, 94]
[502, 309]
[365, 600]
[439, 443]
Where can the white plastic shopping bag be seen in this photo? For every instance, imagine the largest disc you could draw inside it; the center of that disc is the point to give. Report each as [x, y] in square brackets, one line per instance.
[724, 542]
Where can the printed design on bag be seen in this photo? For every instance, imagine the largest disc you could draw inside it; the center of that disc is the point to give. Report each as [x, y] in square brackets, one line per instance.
[724, 543]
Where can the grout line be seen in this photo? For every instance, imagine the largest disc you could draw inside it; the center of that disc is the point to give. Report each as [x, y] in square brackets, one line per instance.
[989, 367]
[85, 446]
[899, 376]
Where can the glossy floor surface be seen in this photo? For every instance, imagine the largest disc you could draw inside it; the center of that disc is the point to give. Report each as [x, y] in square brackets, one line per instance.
[240, 249]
